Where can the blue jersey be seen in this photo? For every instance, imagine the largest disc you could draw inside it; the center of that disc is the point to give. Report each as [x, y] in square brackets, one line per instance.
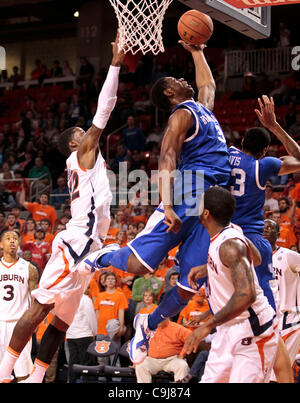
[205, 145]
[247, 184]
[204, 154]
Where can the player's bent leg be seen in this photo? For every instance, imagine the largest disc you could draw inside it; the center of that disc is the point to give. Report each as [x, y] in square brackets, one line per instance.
[173, 302]
[21, 334]
[27, 324]
[52, 339]
[122, 259]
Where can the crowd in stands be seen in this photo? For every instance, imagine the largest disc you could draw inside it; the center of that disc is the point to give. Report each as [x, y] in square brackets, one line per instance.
[31, 164]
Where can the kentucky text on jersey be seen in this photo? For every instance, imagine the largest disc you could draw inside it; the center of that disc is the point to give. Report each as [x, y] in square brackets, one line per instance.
[203, 156]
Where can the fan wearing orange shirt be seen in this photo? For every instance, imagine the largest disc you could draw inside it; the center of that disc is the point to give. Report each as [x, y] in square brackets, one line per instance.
[148, 300]
[287, 208]
[110, 304]
[287, 238]
[45, 224]
[29, 232]
[40, 210]
[112, 232]
[121, 238]
[196, 311]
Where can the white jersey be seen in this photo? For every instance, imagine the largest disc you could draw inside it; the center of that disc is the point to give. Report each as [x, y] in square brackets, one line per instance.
[221, 288]
[89, 192]
[286, 265]
[14, 289]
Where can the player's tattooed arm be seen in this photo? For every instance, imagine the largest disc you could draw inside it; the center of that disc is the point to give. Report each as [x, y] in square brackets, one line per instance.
[234, 255]
[33, 278]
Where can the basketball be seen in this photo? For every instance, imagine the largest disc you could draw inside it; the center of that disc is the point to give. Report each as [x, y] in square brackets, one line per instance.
[195, 27]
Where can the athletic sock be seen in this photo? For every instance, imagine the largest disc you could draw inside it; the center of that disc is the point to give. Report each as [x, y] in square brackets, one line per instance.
[170, 306]
[117, 258]
[38, 372]
[52, 339]
[8, 362]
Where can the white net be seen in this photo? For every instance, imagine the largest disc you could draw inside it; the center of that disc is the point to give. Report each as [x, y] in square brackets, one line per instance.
[140, 24]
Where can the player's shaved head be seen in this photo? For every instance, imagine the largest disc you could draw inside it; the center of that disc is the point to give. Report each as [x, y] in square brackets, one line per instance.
[220, 203]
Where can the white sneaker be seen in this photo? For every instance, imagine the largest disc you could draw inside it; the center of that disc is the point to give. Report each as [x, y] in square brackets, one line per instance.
[139, 345]
[7, 380]
[91, 263]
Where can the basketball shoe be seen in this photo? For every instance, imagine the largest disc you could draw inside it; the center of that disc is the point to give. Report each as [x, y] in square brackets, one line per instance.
[92, 262]
[139, 345]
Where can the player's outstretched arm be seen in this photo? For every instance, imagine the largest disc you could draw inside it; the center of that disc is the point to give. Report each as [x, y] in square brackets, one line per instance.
[204, 79]
[267, 117]
[106, 103]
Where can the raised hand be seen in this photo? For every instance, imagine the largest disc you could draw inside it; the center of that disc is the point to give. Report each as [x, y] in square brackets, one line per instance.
[266, 114]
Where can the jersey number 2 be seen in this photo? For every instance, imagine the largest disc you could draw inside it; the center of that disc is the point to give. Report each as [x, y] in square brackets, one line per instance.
[238, 189]
[74, 183]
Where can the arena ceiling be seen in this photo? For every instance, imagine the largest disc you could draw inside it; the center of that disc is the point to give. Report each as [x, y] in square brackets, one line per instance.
[25, 19]
[42, 19]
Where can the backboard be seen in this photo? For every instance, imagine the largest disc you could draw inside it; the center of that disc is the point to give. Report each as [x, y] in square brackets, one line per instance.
[253, 22]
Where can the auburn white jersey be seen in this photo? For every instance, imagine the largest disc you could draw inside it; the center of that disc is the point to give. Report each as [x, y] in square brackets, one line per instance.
[220, 287]
[14, 289]
[89, 192]
[286, 265]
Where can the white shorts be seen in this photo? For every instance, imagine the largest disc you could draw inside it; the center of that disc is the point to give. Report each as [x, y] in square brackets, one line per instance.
[60, 283]
[23, 365]
[290, 333]
[236, 356]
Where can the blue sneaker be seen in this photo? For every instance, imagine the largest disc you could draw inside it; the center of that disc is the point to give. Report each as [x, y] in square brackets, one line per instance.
[139, 345]
[91, 263]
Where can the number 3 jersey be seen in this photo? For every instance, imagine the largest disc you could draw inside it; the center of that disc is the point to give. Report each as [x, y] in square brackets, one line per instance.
[14, 289]
[204, 151]
[247, 185]
[90, 194]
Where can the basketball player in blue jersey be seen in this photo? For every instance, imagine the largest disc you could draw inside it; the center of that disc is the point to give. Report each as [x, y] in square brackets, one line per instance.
[250, 172]
[194, 144]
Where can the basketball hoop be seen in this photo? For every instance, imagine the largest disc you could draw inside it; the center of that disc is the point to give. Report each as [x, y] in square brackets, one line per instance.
[140, 24]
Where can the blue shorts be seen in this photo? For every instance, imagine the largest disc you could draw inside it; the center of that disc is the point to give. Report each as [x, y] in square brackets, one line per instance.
[264, 272]
[152, 245]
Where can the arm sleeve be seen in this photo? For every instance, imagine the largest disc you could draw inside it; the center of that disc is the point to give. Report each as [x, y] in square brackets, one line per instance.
[268, 167]
[107, 97]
